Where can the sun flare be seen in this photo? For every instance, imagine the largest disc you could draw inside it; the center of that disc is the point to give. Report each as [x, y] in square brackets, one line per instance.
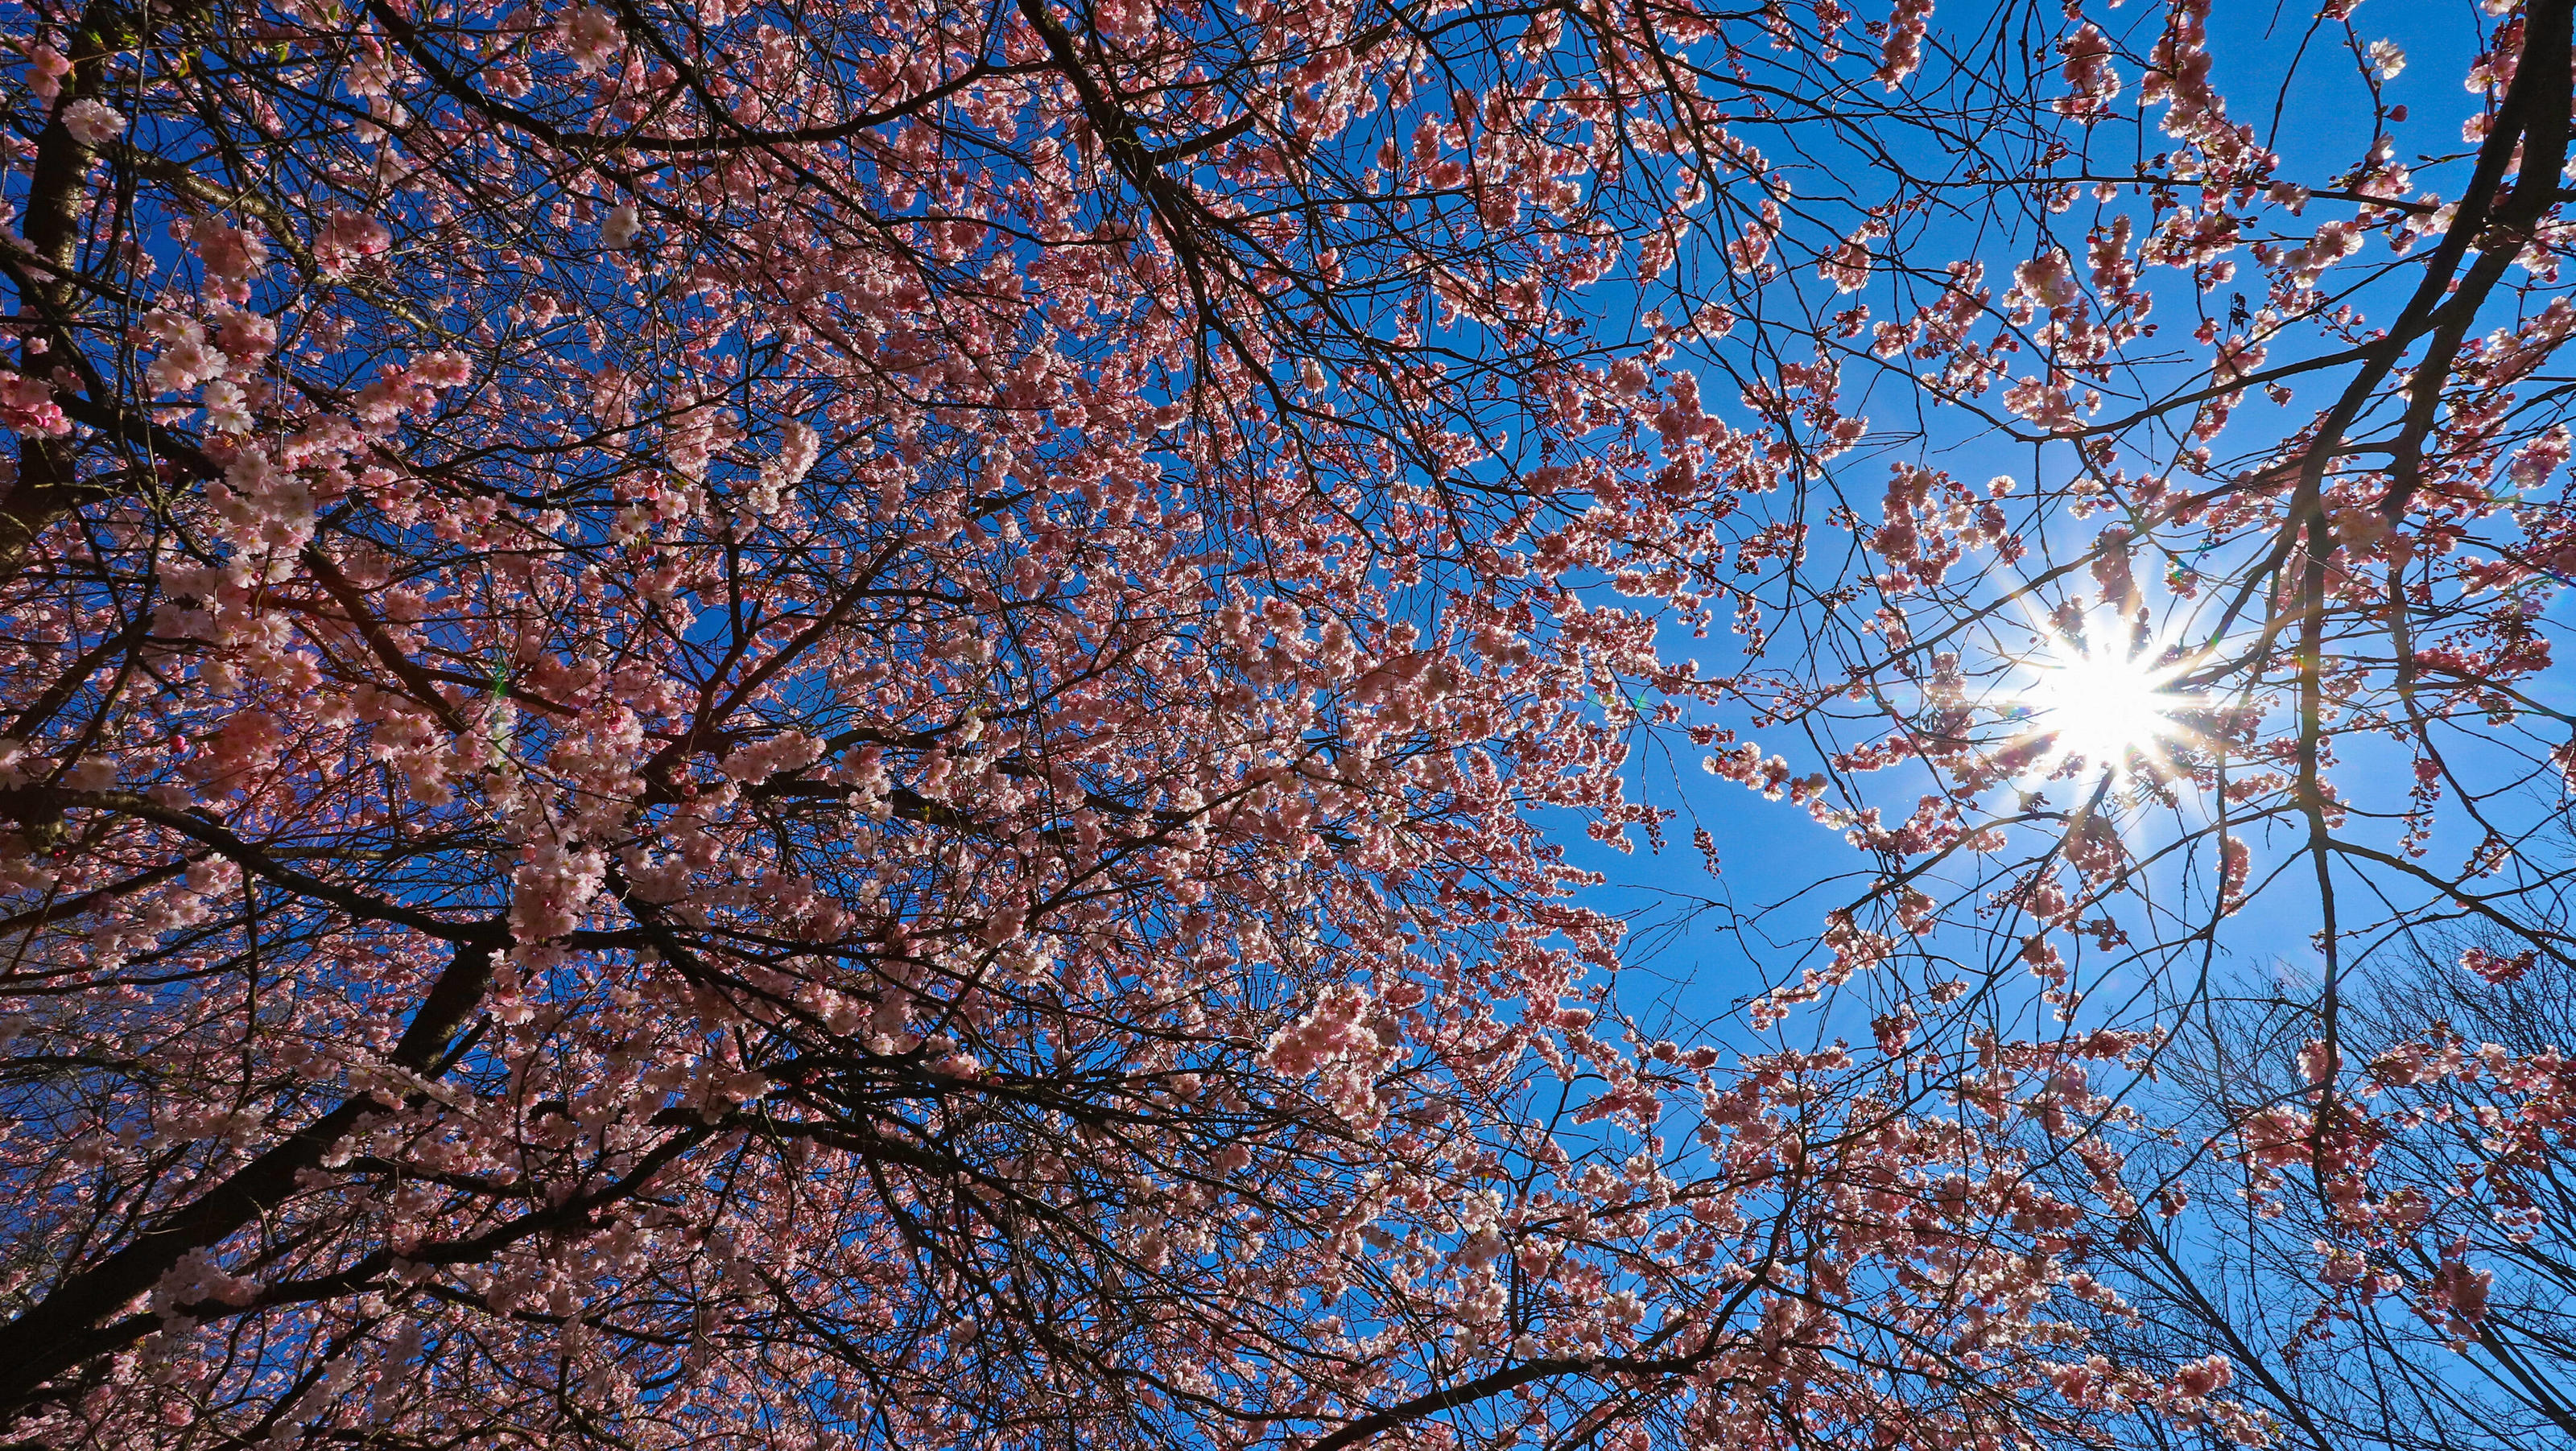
[2104, 704]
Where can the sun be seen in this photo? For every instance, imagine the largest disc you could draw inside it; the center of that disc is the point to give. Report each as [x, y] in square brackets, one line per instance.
[2106, 707]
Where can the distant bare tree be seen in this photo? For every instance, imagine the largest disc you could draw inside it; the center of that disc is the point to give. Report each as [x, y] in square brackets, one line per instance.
[2350, 1348]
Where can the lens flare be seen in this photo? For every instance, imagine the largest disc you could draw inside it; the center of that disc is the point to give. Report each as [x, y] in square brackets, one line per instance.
[2101, 706]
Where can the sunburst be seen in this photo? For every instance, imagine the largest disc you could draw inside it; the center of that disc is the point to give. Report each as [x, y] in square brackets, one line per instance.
[2104, 702]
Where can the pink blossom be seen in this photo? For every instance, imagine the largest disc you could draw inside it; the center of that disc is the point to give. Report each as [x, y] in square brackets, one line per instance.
[93, 122]
[46, 69]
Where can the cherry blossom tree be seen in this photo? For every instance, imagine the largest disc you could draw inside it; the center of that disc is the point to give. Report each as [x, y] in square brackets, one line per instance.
[2308, 558]
[887, 725]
